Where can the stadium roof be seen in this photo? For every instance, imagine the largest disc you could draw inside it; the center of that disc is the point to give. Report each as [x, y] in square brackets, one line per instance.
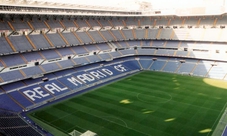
[154, 3]
[143, 7]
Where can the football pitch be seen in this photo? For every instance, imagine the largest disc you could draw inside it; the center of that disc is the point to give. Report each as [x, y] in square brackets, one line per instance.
[145, 104]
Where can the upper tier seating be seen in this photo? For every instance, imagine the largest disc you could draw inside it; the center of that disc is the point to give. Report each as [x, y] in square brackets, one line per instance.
[105, 56]
[104, 22]
[122, 44]
[131, 21]
[32, 56]
[19, 24]
[38, 24]
[128, 34]
[93, 23]
[56, 39]
[11, 76]
[12, 60]
[134, 43]
[91, 48]
[96, 36]
[79, 50]
[50, 54]
[103, 46]
[54, 23]
[152, 33]
[146, 21]
[140, 33]
[81, 23]
[84, 37]
[31, 71]
[70, 37]
[65, 51]
[116, 22]
[39, 41]
[146, 52]
[107, 35]
[68, 23]
[4, 46]
[12, 86]
[20, 43]
[66, 63]
[4, 25]
[117, 34]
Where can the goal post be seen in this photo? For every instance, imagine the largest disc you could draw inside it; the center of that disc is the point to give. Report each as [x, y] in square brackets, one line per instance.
[87, 133]
[75, 133]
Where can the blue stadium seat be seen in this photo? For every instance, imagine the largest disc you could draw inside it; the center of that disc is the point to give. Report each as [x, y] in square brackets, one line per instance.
[32, 56]
[171, 66]
[66, 63]
[70, 37]
[157, 65]
[81, 60]
[39, 41]
[12, 60]
[4, 46]
[56, 39]
[79, 50]
[70, 85]
[186, 68]
[11, 75]
[31, 71]
[91, 48]
[93, 58]
[105, 56]
[13, 86]
[50, 67]
[50, 54]
[21, 98]
[54, 87]
[9, 104]
[145, 63]
[36, 93]
[103, 46]
[20, 43]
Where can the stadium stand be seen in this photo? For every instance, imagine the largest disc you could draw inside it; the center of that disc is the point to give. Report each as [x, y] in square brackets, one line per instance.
[12, 124]
[64, 50]
[37, 39]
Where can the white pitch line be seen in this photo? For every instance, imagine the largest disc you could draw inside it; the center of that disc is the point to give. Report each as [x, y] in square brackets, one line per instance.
[116, 123]
[157, 101]
[115, 118]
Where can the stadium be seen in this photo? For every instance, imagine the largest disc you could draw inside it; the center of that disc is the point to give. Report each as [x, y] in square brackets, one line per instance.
[116, 68]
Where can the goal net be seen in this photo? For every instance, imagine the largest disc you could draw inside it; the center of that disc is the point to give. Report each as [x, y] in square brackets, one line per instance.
[87, 133]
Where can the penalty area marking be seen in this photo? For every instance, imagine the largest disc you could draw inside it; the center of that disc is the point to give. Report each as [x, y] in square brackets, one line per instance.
[106, 117]
[162, 101]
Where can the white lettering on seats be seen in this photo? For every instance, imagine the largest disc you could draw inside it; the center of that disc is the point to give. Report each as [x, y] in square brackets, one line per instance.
[74, 81]
[120, 68]
[36, 93]
[53, 87]
[107, 71]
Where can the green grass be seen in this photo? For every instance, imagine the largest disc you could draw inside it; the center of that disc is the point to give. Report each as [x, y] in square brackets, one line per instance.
[148, 103]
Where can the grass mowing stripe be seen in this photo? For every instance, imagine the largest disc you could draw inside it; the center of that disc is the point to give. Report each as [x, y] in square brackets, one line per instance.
[110, 108]
[194, 106]
[100, 119]
[49, 123]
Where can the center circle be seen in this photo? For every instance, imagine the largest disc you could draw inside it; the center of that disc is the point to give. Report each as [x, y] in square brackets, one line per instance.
[154, 97]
